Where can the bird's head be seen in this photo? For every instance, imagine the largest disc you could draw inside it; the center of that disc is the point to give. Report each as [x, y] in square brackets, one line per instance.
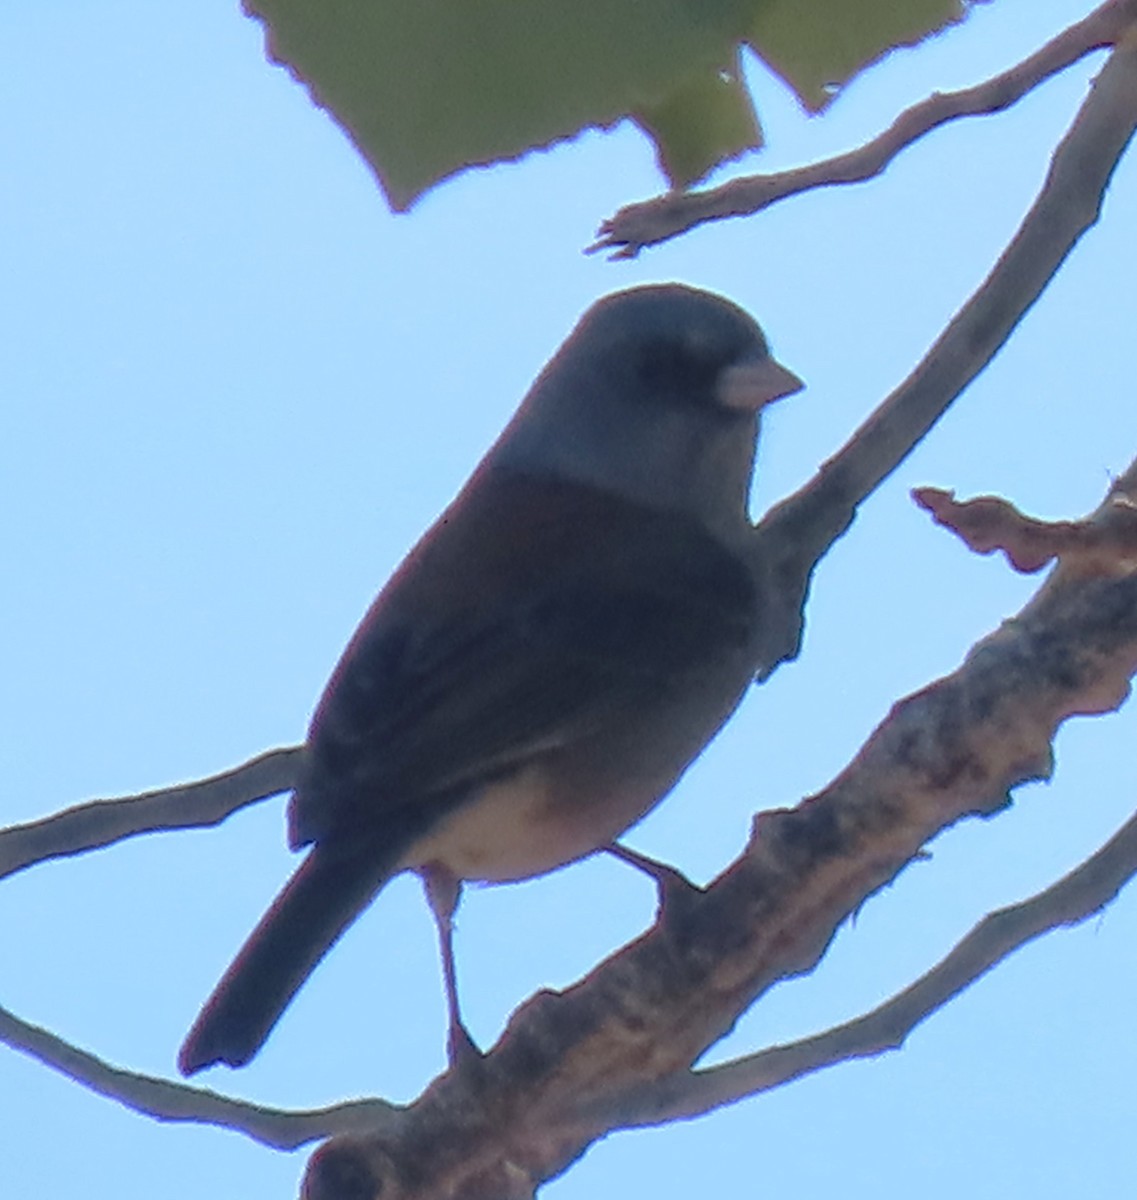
[655, 396]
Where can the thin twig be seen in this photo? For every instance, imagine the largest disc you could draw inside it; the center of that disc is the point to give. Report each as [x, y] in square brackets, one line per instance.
[165, 1100]
[653, 221]
[1083, 892]
[99, 823]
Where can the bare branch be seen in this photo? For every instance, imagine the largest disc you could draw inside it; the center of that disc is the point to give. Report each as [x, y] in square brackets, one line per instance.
[168, 1101]
[99, 823]
[1083, 892]
[990, 523]
[653, 221]
[796, 533]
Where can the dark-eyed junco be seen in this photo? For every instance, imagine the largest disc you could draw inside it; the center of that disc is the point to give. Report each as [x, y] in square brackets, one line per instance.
[550, 657]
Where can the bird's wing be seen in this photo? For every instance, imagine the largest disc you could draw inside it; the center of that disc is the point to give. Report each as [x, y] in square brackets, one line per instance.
[531, 613]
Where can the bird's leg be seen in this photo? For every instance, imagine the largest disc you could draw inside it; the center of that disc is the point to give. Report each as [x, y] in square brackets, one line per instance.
[672, 886]
[443, 891]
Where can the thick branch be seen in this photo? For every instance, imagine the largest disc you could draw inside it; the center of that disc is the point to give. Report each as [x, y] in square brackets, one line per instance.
[1083, 892]
[99, 823]
[653, 221]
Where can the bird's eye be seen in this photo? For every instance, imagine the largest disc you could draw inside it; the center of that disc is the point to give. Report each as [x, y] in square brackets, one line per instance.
[671, 365]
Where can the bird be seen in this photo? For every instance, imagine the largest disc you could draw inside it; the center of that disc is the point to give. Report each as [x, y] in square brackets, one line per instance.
[547, 660]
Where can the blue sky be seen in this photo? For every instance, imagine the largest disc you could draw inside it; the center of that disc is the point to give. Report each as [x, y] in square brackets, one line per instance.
[233, 391]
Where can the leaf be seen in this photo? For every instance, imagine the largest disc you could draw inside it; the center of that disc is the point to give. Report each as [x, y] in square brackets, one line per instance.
[819, 45]
[425, 88]
[701, 124]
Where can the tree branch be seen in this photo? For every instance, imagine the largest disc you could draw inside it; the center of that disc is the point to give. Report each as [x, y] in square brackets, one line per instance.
[100, 823]
[1083, 892]
[795, 534]
[650, 222]
[165, 1100]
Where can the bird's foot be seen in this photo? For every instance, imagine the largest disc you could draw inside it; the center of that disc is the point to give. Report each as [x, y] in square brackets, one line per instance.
[675, 891]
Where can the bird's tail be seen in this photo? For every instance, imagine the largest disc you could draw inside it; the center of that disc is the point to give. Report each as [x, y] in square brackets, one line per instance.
[317, 904]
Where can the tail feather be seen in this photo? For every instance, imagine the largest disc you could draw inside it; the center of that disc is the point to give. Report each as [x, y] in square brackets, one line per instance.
[327, 893]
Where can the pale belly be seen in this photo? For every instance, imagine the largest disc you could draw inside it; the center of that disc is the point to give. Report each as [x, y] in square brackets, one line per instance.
[518, 828]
